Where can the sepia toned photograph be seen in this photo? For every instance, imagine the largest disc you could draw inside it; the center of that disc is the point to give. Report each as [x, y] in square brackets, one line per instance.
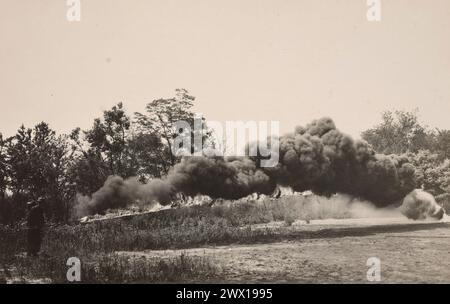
[224, 143]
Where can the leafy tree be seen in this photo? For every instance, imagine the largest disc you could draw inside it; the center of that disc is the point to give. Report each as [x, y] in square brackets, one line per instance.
[36, 162]
[108, 139]
[87, 170]
[36, 166]
[432, 173]
[442, 143]
[3, 167]
[148, 151]
[4, 203]
[399, 132]
[101, 151]
[161, 118]
[20, 169]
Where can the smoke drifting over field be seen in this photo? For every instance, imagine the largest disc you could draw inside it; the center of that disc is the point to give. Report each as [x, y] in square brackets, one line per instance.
[339, 206]
[317, 157]
[117, 192]
[320, 158]
[228, 178]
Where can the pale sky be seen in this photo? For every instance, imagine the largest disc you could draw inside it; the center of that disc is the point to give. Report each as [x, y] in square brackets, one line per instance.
[286, 60]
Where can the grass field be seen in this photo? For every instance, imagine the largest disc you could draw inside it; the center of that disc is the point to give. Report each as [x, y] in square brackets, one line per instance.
[271, 238]
[407, 255]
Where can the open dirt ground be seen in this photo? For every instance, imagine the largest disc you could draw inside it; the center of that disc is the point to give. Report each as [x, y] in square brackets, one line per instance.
[334, 251]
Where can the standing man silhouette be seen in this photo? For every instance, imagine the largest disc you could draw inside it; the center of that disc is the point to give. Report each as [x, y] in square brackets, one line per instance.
[35, 224]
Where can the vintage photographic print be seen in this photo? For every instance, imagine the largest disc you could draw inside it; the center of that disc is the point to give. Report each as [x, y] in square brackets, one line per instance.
[224, 142]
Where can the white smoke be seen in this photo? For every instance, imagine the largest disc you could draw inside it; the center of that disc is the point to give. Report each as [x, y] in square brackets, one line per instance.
[421, 205]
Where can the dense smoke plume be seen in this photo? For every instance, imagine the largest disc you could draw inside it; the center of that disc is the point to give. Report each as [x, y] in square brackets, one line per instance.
[320, 158]
[421, 205]
[228, 178]
[117, 192]
[317, 157]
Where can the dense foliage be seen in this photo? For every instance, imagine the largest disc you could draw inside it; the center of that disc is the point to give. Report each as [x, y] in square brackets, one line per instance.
[429, 149]
[36, 162]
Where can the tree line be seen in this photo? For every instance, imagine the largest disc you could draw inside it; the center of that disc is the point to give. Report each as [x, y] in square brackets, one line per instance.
[38, 162]
[400, 132]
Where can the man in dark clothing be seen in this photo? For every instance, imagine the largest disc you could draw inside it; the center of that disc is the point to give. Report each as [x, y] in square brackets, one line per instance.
[35, 223]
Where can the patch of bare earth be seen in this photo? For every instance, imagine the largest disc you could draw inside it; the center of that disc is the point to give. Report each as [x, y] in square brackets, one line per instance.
[408, 255]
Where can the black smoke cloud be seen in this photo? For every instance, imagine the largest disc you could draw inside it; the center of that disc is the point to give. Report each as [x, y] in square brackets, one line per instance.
[316, 157]
[320, 158]
[218, 177]
[117, 192]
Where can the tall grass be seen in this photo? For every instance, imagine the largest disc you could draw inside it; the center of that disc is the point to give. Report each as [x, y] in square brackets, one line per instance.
[97, 242]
